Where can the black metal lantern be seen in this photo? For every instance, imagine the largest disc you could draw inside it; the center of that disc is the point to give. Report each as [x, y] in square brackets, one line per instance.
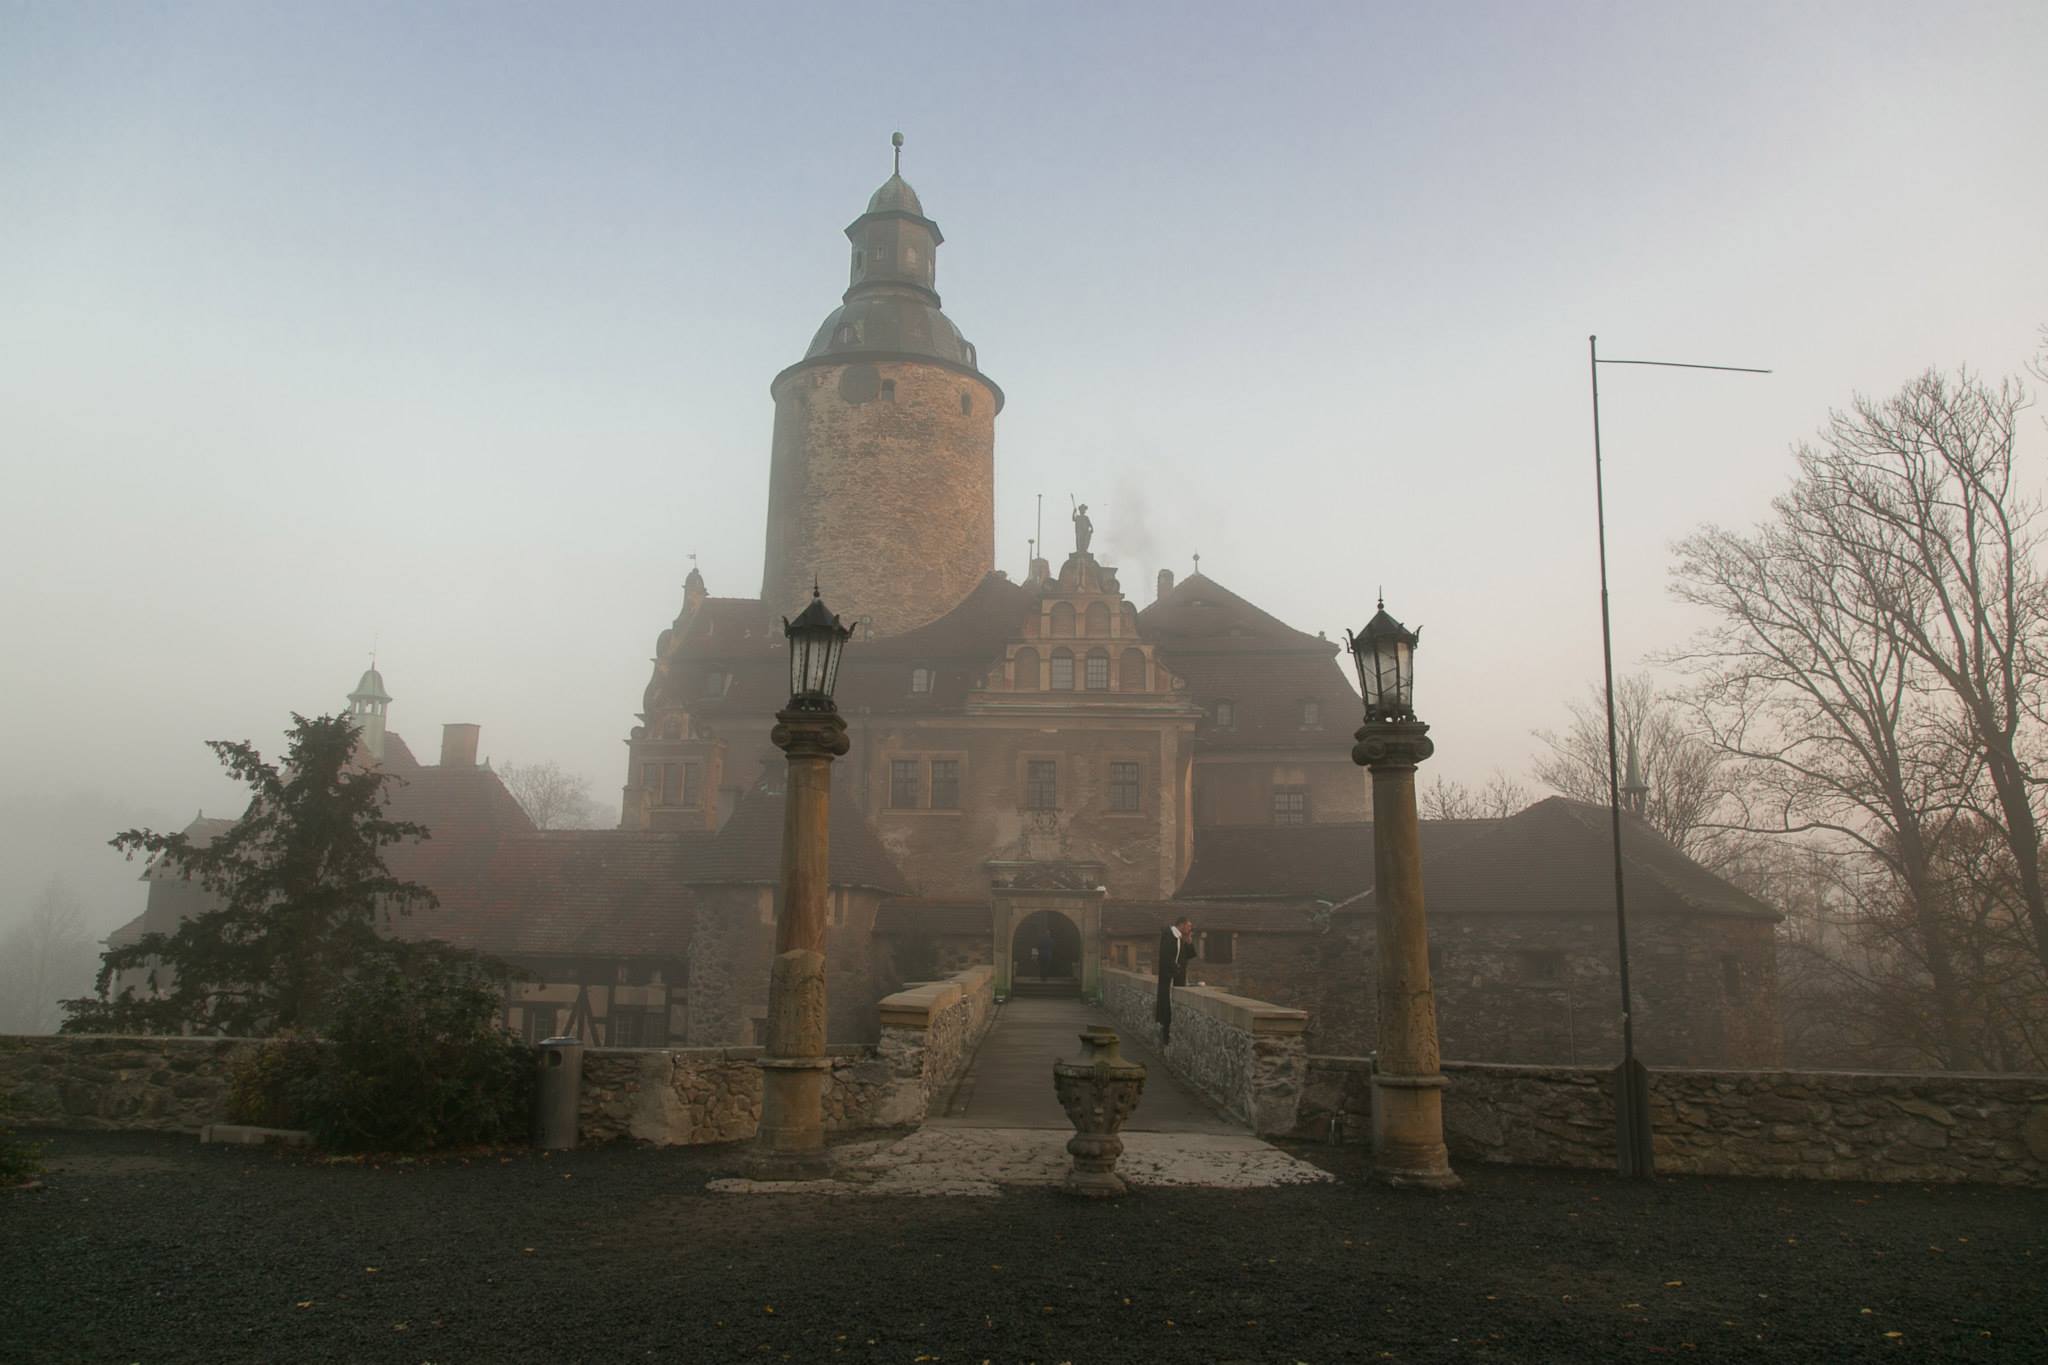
[1385, 655]
[816, 640]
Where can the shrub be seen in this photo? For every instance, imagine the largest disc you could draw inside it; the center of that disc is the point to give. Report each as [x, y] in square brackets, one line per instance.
[413, 1059]
[262, 1079]
[20, 1159]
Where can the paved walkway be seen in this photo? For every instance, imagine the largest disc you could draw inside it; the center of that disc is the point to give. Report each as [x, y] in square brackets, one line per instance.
[1008, 1081]
[1001, 1125]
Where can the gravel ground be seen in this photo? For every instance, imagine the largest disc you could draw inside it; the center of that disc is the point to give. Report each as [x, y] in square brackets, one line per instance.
[147, 1247]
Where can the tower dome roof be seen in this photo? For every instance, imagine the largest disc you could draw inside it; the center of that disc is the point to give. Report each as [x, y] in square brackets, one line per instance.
[891, 309]
[370, 687]
[895, 196]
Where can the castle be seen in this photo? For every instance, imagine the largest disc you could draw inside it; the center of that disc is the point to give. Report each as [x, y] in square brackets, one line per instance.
[1043, 771]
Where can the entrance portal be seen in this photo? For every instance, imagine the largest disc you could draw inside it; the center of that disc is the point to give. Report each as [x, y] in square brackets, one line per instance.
[1046, 954]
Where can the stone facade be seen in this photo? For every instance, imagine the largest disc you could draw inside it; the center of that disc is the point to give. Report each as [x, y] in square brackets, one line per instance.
[882, 484]
[1534, 989]
[1247, 1056]
[97, 1081]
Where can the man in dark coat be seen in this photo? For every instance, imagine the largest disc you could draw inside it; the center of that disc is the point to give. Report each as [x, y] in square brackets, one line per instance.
[1176, 950]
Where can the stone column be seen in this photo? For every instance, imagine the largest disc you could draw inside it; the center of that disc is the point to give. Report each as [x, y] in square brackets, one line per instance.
[791, 1142]
[1408, 1081]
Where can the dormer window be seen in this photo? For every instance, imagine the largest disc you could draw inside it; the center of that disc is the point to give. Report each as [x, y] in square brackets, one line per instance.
[1226, 715]
[714, 684]
[920, 680]
[1311, 715]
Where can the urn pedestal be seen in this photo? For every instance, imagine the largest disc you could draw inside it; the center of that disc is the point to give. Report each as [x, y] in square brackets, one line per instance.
[1098, 1089]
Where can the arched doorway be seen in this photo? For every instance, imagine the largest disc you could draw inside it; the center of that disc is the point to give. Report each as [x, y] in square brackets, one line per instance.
[1046, 953]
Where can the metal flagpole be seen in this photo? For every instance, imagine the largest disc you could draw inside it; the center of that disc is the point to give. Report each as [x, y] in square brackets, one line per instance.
[1631, 1078]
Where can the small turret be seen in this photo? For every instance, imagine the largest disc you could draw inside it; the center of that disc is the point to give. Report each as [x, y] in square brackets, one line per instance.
[1635, 787]
[366, 707]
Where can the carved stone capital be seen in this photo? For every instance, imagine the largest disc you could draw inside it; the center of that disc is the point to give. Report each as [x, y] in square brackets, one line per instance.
[1391, 744]
[810, 734]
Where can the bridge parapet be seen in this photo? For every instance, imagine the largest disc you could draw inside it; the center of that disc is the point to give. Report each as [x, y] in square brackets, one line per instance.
[928, 1032]
[1249, 1057]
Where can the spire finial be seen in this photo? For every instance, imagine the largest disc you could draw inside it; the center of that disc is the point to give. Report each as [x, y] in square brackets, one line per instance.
[814, 587]
[896, 141]
[1380, 594]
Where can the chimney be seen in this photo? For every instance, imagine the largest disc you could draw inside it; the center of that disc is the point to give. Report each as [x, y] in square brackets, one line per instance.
[458, 745]
[1165, 584]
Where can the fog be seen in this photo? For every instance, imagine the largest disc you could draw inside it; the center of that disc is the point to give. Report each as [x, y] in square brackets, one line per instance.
[447, 333]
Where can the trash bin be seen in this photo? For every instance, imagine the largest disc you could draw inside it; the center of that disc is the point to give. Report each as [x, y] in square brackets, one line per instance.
[559, 1094]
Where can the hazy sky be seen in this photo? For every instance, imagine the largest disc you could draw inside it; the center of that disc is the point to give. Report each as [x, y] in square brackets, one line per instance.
[449, 328]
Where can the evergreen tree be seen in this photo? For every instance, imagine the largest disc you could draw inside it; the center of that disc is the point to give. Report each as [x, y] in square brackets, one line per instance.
[302, 887]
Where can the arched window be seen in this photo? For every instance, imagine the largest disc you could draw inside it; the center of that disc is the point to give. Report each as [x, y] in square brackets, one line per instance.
[1063, 620]
[1062, 670]
[1097, 675]
[1025, 673]
[1098, 621]
[920, 680]
[1226, 715]
[1130, 671]
[966, 404]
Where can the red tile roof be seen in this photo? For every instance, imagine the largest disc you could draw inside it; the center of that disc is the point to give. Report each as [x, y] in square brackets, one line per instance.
[574, 893]
[1229, 650]
[749, 848]
[1557, 857]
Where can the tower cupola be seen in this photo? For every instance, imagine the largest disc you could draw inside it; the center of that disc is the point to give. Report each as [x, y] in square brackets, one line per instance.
[366, 706]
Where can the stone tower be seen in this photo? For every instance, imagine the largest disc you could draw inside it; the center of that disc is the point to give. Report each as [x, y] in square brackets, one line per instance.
[882, 481]
[366, 708]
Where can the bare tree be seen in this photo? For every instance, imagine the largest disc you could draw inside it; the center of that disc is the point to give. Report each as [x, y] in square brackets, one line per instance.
[47, 956]
[1917, 492]
[1501, 797]
[1874, 675]
[551, 797]
[1683, 770]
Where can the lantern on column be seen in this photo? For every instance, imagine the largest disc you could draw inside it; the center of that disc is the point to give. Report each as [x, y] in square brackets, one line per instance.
[1384, 653]
[816, 640]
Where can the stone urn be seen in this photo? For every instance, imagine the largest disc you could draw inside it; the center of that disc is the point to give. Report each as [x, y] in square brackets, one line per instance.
[1098, 1089]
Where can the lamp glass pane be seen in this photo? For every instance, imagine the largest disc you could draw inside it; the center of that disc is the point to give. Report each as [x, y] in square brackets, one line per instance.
[835, 647]
[1404, 663]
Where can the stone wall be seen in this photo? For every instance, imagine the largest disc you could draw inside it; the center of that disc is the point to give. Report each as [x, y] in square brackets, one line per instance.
[928, 1033]
[97, 1081]
[678, 1096]
[1807, 1125]
[1247, 1056]
[675, 1097]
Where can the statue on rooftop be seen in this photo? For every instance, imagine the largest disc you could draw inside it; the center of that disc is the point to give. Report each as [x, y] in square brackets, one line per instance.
[1084, 529]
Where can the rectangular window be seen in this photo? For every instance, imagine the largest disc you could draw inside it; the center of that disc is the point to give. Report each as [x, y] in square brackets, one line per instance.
[1098, 672]
[540, 1022]
[906, 787]
[671, 784]
[693, 784]
[1123, 786]
[1731, 976]
[1542, 967]
[1041, 784]
[650, 776]
[945, 784]
[1218, 947]
[626, 1028]
[1290, 805]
